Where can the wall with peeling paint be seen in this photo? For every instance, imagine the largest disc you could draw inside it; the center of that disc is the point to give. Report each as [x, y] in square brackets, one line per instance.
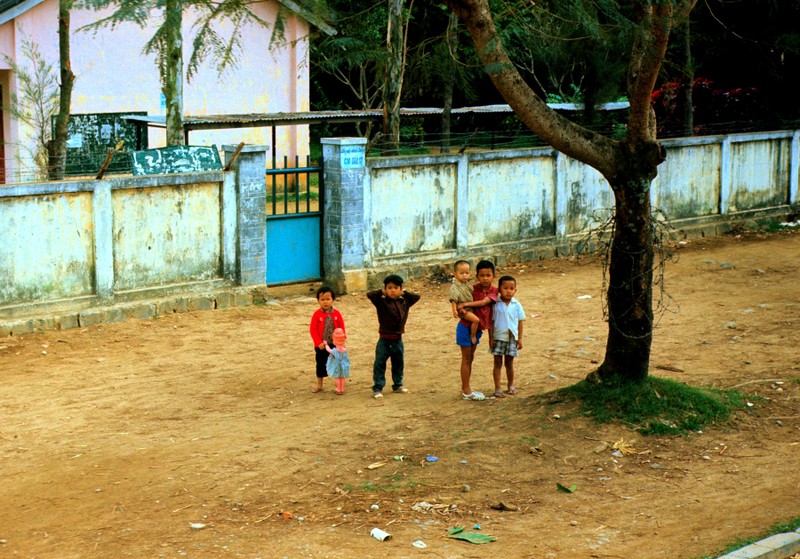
[442, 207]
[127, 238]
[76, 244]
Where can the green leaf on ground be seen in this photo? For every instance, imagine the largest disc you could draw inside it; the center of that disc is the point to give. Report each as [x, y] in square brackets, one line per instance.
[458, 533]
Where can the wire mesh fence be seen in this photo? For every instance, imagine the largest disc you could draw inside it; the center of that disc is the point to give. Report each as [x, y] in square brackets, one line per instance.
[417, 137]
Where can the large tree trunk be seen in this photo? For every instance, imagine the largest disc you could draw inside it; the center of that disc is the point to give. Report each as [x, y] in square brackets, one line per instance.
[173, 73]
[630, 286]
[57, 147]
[629, 166]
[394, 75]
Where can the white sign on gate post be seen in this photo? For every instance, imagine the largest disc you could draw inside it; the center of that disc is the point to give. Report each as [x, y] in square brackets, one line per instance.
[351, 157]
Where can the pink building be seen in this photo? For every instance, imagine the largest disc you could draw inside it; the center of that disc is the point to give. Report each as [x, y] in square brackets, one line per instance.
[113, 75]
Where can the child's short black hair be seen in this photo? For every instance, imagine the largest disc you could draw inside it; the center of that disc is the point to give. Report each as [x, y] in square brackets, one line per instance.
[393, 279]
[483, 264]
[460, 262]
[325, 289]
[505, 278]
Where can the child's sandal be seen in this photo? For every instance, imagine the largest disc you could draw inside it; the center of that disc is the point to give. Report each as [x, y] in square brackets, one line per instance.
[499, 394]
[512, 391]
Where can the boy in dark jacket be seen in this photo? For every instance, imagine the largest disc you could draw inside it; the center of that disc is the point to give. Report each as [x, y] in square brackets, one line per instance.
[392, 303]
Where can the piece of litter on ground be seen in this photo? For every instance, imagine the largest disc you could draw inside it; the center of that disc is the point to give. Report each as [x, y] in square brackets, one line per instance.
[667, 367]
[197, 526]
[584, 296]
[375, 465]
[458, 533]
[419, 544]
[430, 458]
[505, 507]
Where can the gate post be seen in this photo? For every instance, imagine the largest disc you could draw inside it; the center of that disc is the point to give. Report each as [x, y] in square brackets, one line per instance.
[248, 204]
[344, 163]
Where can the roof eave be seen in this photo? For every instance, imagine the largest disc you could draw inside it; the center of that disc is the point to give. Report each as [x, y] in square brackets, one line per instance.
[310, 17]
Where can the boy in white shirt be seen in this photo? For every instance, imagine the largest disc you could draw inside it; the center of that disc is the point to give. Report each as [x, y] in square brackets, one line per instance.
[506, 336]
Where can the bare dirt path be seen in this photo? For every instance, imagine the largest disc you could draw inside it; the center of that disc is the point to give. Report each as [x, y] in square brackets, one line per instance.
[115, 439]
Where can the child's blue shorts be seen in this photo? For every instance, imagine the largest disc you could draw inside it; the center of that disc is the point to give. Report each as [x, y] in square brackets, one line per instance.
[462, 335]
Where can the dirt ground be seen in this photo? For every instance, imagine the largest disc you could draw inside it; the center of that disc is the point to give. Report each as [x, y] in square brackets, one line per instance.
[197, 435]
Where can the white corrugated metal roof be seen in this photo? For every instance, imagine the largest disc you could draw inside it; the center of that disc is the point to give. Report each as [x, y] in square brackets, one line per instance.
[255, 120]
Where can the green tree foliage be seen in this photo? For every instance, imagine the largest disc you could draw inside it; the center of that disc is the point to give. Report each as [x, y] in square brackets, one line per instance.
[754, 44]
[36, 101]
[349, 69]
[569, 51]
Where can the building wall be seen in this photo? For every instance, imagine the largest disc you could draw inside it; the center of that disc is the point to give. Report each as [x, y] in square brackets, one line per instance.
[114, 75]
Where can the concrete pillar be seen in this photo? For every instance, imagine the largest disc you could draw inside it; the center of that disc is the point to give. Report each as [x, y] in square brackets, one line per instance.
[249, 266]
[561, 193]
[229, 225]
[103, 211]
[343, 226]
[794, 169]
[725, 177]
[462, 204]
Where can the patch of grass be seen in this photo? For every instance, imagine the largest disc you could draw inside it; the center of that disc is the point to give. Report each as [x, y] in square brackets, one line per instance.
[656, 406]
[392, 483]
[780, 528]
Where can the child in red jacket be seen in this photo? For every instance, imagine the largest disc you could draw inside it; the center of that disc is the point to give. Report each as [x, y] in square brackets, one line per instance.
[324, 321]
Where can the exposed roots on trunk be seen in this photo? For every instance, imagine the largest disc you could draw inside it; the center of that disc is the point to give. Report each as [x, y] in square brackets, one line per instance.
[631, 315]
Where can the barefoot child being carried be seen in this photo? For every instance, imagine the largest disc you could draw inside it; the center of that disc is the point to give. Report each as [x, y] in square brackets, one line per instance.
[461, 292]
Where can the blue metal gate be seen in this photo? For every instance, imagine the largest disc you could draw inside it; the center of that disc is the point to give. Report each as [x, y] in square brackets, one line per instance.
[294, 223]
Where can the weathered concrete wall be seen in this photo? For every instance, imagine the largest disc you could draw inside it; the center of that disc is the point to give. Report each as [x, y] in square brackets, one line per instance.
[510, 198]
[689, 181]
[71, 245]
[166, 235]
[48, 246]
[400, 224]
[420, 211]
[759, 168]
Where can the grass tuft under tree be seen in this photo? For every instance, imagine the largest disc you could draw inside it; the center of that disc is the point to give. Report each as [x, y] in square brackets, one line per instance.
[655, 406]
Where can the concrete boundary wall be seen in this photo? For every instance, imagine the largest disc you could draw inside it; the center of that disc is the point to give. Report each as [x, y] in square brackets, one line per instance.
[78, 252]
[419, 213]
[71, 247]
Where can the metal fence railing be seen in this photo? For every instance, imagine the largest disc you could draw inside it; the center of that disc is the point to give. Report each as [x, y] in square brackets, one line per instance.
[294, 190]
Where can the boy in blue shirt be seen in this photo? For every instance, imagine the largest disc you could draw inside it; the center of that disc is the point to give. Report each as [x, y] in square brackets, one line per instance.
[506, 334]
